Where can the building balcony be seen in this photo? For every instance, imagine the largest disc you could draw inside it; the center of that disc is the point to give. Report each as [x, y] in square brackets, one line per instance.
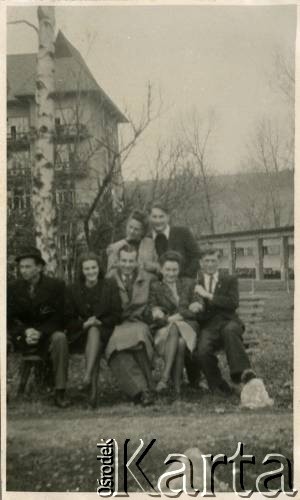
[20, 176]
[71, 168]
[17, 141]
[70, 133]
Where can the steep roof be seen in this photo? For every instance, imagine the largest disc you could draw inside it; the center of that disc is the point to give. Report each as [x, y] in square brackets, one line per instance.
[71, 74]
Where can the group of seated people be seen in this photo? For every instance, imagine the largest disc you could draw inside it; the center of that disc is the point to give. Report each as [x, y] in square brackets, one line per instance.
[160, 294]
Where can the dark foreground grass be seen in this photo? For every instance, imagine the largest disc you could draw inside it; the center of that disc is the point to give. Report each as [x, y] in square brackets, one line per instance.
[52, 454]
[53, 450]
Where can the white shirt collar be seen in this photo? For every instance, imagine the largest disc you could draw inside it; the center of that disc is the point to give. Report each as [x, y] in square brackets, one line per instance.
[126, 277]
[166, 232]
[214, 281]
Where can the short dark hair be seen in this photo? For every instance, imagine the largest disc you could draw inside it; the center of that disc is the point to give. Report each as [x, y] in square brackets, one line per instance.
[36, 260]
[161, 206]
[83, 258]
[208, 250]
[172, 256]
[128, 249]
[141, 217]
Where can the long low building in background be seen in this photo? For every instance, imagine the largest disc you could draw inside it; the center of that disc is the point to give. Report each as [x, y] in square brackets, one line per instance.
[257, 254]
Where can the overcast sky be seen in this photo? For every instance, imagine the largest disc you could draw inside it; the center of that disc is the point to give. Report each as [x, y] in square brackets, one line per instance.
[205, 58]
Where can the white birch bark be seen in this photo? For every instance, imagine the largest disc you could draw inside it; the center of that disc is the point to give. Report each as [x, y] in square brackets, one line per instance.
[43, 170]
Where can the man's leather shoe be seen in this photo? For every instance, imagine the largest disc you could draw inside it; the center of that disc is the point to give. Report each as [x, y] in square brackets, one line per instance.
[223, 389]
[146, 399]
[60, 399]
[247, 375]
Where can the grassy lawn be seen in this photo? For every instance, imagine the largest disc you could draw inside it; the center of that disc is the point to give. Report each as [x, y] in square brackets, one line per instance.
[53, 450]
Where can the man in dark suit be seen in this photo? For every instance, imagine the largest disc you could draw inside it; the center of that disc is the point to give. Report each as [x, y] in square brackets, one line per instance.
[177, 238]
[35, 305]
[221, 328]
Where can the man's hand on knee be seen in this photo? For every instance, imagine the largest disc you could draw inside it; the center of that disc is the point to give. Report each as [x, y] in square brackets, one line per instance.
[32, 336]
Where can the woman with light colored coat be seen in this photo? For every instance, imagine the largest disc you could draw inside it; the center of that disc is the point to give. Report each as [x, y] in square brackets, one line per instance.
[136, 230]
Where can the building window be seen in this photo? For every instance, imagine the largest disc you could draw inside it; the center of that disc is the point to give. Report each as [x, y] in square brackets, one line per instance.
[17, 125]
[271, 250]
[220, 251]
[19, 201]
[62, 156]
[64, 241]
[239, 252]
[244, 251]
[65, 197]
[64, 116]
[13, 132]
[249, 251]
[19, 163]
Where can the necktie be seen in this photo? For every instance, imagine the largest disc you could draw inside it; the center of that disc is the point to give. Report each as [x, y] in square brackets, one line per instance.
[210, 283]
[161, 244]
[128, 285]
[31, 291]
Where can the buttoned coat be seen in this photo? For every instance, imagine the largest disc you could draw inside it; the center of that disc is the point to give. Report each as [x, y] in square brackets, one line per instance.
[133, 330]
[102, 301]
[225, 299]
[42, 311]
[133, 308]
[161, 296]
[182, 241]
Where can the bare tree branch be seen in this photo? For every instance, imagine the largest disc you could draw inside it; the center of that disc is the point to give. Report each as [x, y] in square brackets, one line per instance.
[23, 21]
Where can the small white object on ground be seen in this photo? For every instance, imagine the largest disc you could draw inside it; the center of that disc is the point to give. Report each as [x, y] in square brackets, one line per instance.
[254, 395]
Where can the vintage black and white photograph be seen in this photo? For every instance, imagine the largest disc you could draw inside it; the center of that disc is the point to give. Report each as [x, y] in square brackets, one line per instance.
[150, 249]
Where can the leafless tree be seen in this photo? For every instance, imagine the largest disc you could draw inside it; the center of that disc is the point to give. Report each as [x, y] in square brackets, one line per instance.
[196, 133]
[95, 166]
[270, 152]
[283, 78]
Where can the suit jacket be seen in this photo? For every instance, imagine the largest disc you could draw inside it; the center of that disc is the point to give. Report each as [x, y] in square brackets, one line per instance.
[102, 301]
[134, 307]
[161, 296]
[182, 241]
[147, 256]
[43, 311]
[225, 299]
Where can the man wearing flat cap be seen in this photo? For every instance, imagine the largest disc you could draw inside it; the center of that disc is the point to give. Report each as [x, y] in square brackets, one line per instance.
[35, 305]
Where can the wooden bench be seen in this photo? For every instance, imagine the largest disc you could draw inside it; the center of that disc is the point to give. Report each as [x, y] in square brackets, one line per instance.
[31, 364]
[251, 311]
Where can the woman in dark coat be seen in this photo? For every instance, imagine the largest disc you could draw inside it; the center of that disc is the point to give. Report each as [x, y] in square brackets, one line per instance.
[173, 314]
[93, 308]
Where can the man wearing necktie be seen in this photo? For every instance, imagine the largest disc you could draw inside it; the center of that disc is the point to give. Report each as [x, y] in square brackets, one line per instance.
[221, 328]
[177, 238]
[128, 284]
[129, 350]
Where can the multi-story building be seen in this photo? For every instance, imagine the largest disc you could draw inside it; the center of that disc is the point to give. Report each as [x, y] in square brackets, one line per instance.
[85, 138]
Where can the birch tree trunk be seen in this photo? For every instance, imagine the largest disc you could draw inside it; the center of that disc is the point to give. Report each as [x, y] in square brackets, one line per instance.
[43, 170]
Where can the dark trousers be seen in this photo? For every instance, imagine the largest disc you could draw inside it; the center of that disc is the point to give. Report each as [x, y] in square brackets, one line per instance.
[219, 333]
[192, 366]
[131, 372]
[59, 355]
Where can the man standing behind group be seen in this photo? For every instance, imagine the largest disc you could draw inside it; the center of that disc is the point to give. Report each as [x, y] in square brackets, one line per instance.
[176, 238]
[35, 316]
